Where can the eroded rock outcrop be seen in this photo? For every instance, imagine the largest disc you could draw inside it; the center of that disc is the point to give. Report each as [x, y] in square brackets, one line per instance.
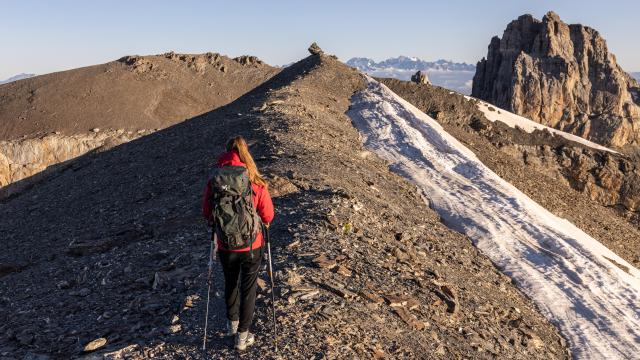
[25, 161]
[609, 179]
[562, 76]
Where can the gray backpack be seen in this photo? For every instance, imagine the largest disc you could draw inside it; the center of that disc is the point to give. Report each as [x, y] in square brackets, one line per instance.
[236, 222]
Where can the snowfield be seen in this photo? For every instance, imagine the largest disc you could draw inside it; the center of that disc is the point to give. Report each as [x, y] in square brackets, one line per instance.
[528, 125]
[572, 278]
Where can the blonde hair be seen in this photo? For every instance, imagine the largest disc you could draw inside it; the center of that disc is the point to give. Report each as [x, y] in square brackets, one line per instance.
[240, 146]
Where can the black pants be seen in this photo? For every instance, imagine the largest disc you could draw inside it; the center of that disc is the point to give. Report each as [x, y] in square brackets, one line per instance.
[240, 296]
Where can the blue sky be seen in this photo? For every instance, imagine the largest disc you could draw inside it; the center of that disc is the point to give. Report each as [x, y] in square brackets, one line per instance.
[45, 36]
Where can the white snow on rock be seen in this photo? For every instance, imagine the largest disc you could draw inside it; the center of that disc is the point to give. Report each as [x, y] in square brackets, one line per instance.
[572, 278]
[493, 113]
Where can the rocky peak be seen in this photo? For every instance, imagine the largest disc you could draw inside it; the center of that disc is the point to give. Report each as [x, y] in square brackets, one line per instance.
[248, 60]
[562, 76]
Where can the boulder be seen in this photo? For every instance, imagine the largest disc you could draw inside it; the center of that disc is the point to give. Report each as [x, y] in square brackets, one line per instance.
[420, 78]
[95, 344]
[314, 49]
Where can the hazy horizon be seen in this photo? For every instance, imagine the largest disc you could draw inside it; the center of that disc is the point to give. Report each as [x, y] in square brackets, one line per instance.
[48, 37]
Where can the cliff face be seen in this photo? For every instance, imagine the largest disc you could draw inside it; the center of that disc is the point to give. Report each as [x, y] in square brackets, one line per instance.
[25, 161]
[562, 76]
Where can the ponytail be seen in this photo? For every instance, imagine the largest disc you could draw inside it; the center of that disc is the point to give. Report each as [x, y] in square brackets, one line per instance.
[239, 145]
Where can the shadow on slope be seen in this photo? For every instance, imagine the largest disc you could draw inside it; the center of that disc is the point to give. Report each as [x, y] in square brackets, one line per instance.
[111, 245]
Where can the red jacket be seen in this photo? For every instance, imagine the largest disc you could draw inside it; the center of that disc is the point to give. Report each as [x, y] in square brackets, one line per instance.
[261, 200]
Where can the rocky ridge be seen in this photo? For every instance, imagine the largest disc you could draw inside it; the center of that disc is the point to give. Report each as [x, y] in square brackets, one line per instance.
[562, 76]
[365, 269]
[132, 93]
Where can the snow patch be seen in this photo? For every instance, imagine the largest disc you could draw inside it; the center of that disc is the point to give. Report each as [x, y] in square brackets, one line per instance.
[494, 113]
[585, 289]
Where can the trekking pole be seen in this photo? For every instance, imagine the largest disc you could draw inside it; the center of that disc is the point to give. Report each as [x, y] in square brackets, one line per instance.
[209, 281]
[273, 288]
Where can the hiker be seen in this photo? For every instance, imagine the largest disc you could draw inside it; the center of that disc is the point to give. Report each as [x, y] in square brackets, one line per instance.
[239, 261]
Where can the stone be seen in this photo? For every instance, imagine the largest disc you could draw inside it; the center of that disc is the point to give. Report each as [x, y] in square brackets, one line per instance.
[402, 301]
[175, 328]
[95, 344]
[324, 262]
[309, 295]
[333, 220]
[262, 285]
[292, 278]
[420, 78]
[450, 297]
[532, 339]
[337, 289]
[314, 49]
[344, 271]
[400, 255]
[409, 318]
[562, 76]
[378, 353]
[280, 186]
[368, 295]
[188, 302]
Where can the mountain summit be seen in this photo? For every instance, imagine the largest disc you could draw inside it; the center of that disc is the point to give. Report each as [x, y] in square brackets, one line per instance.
[562, 76]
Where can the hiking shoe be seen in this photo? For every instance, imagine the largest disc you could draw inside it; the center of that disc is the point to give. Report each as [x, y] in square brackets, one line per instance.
[243, 340]
[232, 327]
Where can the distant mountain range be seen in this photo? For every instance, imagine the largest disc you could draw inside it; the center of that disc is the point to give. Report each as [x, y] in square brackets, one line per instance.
[16, 78]
[446, 73]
